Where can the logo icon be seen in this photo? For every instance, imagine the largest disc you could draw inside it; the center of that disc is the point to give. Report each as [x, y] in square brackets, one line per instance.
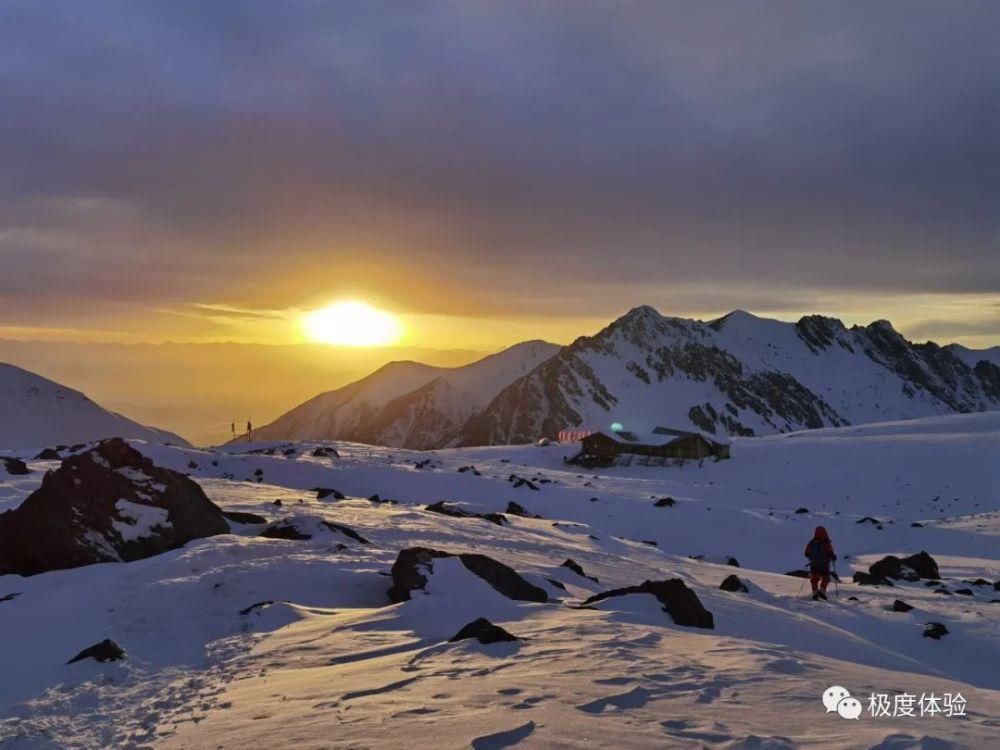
[837, 699]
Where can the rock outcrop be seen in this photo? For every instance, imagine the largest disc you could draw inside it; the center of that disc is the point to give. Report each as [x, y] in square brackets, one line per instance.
[483, 631]
[679, 601]
[107, 504]
[414, 564]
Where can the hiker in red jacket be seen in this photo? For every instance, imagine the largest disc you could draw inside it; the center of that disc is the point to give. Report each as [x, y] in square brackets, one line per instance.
[820, 553]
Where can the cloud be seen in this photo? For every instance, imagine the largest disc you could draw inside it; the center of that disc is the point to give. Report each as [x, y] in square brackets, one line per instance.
[495, 159]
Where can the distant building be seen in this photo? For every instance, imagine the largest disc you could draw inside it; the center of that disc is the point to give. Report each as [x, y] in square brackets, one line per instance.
[610, 446]
[573, 436]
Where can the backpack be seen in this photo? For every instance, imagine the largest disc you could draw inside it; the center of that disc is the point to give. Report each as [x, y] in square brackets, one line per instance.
[816, 552]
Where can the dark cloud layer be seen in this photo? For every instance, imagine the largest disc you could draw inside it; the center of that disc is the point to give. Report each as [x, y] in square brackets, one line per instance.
[257, 153]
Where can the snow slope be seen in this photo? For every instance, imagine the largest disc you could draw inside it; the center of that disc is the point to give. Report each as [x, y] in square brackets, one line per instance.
[738, 375]
[329, 662]
[407, 404]
[37, 412]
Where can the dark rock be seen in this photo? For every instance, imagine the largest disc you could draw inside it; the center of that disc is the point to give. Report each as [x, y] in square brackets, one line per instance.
[910, 568]
[483, 631]
[679, 601]
[801, 510]
[289, 452]
[734, 584]
[916, 525]
[516, 509]
[935, 630]
[345, 530]
[322, 493]
[522, 482]
[192, 465]
[558, 584]
[239, 517]
[473, 469]
[944, 591]
[83, 513]
[285, 530]
[408, 573]
[14, 466]
[888, 567]
[799, 573]
[49, 454]
[665, 502]
[867, 579]
[9, 597]
[258, 472]
[322, 452]
[650, 542]
[450, 510]
[575, 567]
[900, 606]
[106, 650]
[869, 519]
[852, 599]
[996, 586]
[256, 605]
[732, 562]
[964, 592]
[980, 582]
[923, 565]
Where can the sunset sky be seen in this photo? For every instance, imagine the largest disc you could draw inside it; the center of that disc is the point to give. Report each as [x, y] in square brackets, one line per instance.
[495, 171]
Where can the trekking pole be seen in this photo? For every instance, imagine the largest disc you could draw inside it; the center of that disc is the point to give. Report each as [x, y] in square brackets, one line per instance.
[836, 579]
[801, 586]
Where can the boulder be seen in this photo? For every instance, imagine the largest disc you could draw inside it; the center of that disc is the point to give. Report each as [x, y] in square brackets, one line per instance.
[935, 630]
[911, 568]
[964, 592]
[345, 530]
[106, 650]
[516, 509]
[483, 631]
[450, 510]
[245, 518]
[575, 567]
[107, 504]
[800, 511]
[49, 454]
[679, 601]
[924, 565]
[285, 530]
[14, 466]
[414, 564]
[324, 492]
[734, 584]
[665, 502]
[867, 579]
[900, 606]
[869, 519]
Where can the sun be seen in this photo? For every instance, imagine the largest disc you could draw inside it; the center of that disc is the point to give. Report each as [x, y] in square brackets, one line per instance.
[351, 323]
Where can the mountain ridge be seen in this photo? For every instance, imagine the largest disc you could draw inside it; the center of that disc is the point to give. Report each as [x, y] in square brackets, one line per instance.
[739, 374]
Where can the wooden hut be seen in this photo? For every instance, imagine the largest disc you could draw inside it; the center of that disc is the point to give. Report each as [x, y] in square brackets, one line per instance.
[663, 443]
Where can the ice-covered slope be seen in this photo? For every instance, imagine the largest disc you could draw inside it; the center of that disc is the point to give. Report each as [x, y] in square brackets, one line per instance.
[738, 375]
[406, 404]
[35, 412]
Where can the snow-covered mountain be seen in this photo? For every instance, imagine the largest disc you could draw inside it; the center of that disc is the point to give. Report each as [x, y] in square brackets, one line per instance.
[35, 412]
[738, 375]
[407, 404]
